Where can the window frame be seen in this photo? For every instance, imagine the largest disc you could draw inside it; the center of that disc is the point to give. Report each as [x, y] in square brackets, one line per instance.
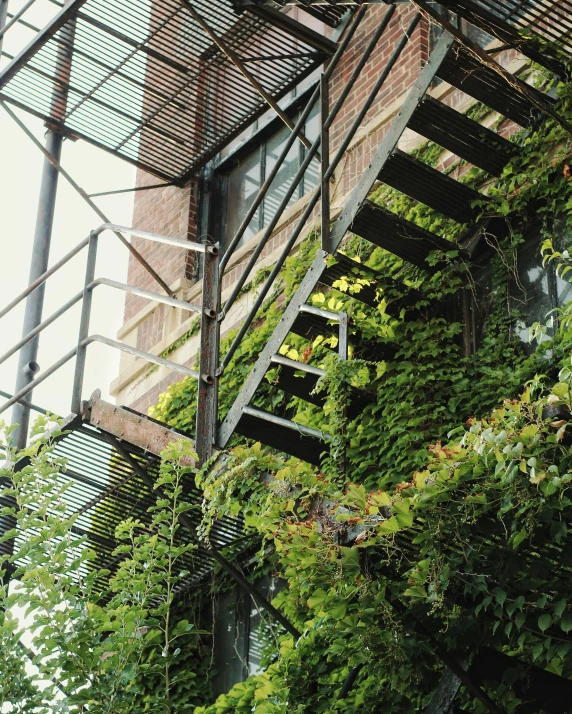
[214, 184]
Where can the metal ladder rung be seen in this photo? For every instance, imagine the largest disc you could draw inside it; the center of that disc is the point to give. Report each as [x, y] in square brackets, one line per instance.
[294, 364]
[286, 423]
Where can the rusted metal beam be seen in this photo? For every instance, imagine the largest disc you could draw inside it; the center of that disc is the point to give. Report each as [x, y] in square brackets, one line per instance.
[209, 356]
[130, 427]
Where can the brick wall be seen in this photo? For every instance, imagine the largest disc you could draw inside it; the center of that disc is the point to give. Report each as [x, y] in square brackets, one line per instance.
[401, 77]
[168, 211]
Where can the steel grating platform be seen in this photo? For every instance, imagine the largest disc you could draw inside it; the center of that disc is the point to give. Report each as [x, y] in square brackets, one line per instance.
[106, 489]
[146, 82]
[521, 23]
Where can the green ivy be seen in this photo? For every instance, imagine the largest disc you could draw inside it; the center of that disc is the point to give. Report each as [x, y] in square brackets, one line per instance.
[468, 539]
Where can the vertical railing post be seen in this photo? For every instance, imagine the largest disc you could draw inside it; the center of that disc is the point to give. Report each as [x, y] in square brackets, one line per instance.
[325, 161]
[27, 365]
[209, 356]
[84, 324]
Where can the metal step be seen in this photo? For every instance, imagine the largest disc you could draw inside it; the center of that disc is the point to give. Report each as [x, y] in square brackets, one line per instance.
[310, 327]
[403, 238]
[290, 380]
[466, 73]
[282, 434]
[429, 186]
[517, 15]
[463, 136]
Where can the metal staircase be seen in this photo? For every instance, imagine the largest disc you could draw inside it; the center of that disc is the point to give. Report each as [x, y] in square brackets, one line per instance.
[441, 124]
[113, 452]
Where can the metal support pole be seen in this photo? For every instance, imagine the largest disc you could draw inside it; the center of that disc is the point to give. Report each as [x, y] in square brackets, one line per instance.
[28, 365]
[209, 354]
[84, 324]
[325, 161]
[3, 19]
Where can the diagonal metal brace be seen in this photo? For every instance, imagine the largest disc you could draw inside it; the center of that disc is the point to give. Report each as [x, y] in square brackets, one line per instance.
[59, 168]
[235, 59]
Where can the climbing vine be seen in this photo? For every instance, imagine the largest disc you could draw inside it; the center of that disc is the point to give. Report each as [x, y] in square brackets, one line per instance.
[449, 524]
[438, 523]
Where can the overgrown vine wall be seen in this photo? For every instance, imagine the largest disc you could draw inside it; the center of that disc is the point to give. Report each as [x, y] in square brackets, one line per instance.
[457, 477]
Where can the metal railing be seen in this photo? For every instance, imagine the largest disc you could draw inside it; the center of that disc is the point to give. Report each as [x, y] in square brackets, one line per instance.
[328, 169]
[212, 367]
[85, 297]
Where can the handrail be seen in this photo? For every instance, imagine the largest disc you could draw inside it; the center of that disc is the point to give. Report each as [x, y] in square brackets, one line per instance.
[167, 240]
[156, 238]
[172, 302]
[316, 194]
[85, 296]
[42, 279]
[160, 361]
[291, 140]
[312, 152]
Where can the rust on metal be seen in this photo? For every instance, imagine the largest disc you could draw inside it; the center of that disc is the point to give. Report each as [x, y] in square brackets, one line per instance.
[136, 429]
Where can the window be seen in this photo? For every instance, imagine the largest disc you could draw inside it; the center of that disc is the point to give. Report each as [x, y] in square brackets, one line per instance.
[242, 630]
[533, 291]
[539, 289]
[247, 176]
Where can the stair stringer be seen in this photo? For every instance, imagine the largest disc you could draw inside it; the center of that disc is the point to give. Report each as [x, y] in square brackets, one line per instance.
[360, 193]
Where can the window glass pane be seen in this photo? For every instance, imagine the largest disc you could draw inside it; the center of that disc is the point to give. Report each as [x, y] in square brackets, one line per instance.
[285, 176]
[562, 243]
[260, 632]
[229, 643]
[532, 296]
[313, 130]
[243, 185]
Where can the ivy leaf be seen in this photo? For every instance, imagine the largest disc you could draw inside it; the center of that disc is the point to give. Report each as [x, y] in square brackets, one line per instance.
[317, 598]
[544, 622]
[500, 596]
[566, 623]
[389, 526]
[520, 619]
[517, 538]
[559, 607]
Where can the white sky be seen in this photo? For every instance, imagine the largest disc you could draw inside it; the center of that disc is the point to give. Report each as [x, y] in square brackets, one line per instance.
[20, 173]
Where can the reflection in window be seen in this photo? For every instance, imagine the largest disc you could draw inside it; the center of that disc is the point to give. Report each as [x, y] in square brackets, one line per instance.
[243, 632]
[243, 185]
[250, 173]
[261, 628]
[535, 290]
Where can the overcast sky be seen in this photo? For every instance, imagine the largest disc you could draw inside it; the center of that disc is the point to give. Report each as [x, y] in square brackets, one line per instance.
[20, 173]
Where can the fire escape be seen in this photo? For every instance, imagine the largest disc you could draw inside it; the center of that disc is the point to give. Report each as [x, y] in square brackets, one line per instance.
[139, 84]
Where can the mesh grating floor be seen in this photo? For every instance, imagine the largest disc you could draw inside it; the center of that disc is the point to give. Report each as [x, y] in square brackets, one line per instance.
[105, 491]
[145, 82]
